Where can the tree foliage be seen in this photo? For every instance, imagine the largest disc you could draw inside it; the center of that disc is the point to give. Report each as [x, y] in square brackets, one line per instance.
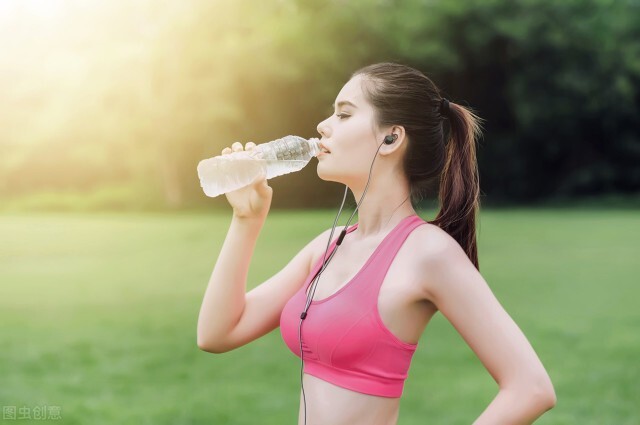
[137, 95]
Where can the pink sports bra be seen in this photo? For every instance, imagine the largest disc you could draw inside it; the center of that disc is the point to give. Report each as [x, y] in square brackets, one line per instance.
[344, 339]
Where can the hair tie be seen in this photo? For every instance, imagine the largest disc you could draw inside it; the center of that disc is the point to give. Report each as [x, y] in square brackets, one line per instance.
[444, 107]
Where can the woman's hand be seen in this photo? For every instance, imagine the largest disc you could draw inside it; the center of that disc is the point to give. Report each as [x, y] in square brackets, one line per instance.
[254, 200]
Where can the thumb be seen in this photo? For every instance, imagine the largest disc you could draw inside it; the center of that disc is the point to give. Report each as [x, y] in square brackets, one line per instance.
[260, 183]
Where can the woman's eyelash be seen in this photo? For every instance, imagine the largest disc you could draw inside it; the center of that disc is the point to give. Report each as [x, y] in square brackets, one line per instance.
[341, 115]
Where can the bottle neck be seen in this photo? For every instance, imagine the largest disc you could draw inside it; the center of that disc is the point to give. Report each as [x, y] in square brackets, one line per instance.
[314, 146]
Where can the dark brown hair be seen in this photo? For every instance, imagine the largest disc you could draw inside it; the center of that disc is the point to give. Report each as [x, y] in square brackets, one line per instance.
[441, 149]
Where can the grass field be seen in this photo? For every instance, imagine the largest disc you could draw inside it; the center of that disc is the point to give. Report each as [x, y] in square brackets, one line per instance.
[98, 317]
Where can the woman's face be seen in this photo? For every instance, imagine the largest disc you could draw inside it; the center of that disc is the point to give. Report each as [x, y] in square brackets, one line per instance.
[349, 136]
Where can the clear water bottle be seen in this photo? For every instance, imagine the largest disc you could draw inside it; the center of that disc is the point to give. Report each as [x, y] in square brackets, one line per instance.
[225, 173]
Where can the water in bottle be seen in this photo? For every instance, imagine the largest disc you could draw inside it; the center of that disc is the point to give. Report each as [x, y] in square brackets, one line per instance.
[225, 173]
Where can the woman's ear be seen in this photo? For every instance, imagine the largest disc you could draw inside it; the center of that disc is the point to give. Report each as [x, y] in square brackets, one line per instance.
[399, 135]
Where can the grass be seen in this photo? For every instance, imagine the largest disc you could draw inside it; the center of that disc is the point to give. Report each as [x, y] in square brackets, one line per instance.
[98, 316]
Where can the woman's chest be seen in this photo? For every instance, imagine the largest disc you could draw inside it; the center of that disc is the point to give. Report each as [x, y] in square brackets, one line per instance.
[393, 279]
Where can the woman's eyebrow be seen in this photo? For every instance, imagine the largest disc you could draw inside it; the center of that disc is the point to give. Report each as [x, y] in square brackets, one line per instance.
[344, 102]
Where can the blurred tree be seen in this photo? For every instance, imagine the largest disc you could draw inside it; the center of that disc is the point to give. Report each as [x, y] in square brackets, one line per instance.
[135, 94]
[556, 81]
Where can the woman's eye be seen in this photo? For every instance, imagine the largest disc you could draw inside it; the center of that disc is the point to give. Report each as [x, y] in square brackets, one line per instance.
[341, 116]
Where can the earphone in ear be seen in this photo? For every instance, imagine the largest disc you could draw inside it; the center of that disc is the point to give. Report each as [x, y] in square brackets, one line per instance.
[390, 138]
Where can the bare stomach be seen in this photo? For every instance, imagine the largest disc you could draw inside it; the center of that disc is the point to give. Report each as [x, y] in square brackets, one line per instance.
[328, 404]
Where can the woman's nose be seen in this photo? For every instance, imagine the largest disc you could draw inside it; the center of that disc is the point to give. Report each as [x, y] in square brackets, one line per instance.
[322, 129]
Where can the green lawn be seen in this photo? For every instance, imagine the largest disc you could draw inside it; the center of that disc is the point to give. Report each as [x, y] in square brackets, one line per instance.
[98, 316]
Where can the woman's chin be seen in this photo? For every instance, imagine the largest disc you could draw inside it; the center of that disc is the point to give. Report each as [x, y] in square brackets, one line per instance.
[331, 180]
[323, 175]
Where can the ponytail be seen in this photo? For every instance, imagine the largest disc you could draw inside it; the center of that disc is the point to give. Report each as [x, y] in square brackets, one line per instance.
[402, 95]
[459, 190]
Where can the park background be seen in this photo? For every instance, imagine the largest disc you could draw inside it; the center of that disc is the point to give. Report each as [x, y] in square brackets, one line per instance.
[107, 241]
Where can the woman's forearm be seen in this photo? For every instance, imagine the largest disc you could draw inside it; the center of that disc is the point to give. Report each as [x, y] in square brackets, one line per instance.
[512, 407]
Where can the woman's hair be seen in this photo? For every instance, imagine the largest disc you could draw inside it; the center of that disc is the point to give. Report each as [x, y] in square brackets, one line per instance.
[437, 153]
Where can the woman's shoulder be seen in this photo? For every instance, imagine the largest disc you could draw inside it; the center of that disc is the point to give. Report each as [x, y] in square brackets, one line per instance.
[321, 242]
[432, 246]
[429, 239]
[437, 254]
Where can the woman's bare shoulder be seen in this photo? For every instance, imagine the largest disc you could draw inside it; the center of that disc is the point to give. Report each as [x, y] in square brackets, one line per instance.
[429, 240]
[322, 242]
[434, 249]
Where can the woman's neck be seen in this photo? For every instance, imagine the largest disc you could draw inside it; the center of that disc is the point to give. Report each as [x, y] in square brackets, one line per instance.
[380, 212]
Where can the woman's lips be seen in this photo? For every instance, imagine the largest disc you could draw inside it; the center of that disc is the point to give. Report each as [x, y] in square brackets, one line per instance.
[323, 147]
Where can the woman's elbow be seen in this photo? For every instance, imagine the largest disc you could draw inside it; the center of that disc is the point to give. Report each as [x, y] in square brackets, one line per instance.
[551, 399]
[538, 392]
[209, 347]
[544, 393]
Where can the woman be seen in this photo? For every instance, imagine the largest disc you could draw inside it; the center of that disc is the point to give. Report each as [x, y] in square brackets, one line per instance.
[391, 138]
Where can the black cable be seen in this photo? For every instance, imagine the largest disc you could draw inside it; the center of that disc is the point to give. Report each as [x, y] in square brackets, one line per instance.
[325, 263]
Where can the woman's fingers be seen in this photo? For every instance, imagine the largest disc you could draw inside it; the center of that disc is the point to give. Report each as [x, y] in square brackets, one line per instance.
[237, 146]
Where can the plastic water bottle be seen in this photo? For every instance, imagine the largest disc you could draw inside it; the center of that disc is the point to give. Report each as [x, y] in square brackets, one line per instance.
[225, 173]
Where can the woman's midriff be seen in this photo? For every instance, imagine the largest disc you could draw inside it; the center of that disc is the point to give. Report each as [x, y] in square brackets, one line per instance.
[328, 404]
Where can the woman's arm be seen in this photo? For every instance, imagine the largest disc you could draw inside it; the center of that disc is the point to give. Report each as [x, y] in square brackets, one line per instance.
[515, 408]
[456, 287]
[224, 299]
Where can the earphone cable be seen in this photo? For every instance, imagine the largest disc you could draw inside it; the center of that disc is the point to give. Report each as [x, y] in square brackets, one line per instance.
[324, 266]
[304, 399]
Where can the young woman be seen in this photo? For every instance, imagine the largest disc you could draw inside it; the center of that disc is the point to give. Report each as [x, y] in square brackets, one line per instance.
[356, 321]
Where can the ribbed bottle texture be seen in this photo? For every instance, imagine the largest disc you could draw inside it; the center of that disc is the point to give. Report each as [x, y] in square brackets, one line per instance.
[225, 173]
